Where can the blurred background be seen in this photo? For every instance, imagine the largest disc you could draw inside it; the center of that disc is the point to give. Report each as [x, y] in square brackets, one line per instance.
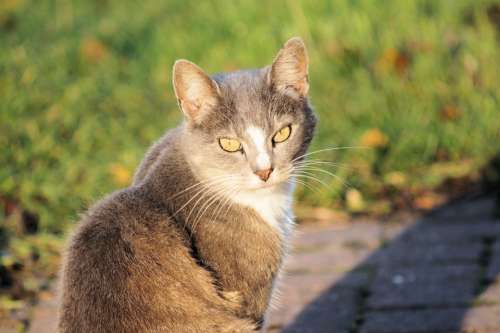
[85, 88]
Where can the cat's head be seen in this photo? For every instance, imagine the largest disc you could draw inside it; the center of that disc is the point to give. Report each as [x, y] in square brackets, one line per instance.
[245, 130]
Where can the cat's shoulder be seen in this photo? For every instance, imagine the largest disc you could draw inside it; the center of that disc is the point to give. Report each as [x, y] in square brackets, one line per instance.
[166, 142]
[119, 217]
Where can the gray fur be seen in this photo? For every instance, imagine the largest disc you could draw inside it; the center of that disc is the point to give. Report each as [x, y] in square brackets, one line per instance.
[155, 257]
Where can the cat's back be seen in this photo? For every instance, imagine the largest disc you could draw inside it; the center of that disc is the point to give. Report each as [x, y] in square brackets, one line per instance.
[128, 268]
[117, 225]
[102, 261]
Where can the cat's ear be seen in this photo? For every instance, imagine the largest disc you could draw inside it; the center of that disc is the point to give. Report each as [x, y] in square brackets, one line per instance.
[289, 72]
[196, 92]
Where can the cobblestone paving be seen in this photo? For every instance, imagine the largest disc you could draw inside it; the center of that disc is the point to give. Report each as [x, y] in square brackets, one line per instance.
[440, 274]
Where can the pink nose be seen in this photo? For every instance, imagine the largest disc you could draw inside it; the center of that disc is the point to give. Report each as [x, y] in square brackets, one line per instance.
[264, 174]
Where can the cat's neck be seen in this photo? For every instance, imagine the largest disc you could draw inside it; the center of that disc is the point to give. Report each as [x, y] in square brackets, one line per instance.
[273, 205]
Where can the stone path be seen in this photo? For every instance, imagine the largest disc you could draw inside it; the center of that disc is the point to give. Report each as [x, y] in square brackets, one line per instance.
[440, 274]
[44, 317]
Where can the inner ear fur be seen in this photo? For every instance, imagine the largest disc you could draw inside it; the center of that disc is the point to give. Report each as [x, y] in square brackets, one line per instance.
[196, 92]
[289, 72]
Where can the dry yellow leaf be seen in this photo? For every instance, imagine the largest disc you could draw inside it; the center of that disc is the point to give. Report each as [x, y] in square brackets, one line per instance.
[93, 50]
[120, 174]
[374, 138]
[392, 58]
[450, 112]
[7, 6]
[396, 178]
[354, 201]
[428, 201]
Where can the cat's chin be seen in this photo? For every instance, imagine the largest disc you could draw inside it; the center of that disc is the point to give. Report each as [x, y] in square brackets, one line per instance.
[268, 186]
[265, 186]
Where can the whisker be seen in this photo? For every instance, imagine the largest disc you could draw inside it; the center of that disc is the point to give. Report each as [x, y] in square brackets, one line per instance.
[204, 195]
[211, 193]
[221, 205]
[197, 184]
[209, 202]
[310, 176]
[329, 149]
[232, 202]
[317, 162]
[306, 185]
[213, 199]
[313, 160]
[231, 193]
[306, 168]
[198, 193]
[212, 182]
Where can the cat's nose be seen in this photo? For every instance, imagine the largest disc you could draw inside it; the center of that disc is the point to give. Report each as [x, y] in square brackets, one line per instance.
[264, 174]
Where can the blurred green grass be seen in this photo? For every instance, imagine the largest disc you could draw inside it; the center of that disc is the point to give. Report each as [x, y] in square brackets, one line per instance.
[85, 89]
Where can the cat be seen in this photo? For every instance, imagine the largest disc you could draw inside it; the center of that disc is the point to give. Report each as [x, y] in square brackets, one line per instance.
[196, 243]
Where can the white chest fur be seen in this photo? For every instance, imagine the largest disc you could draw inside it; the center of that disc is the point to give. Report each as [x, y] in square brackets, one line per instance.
[274, 206]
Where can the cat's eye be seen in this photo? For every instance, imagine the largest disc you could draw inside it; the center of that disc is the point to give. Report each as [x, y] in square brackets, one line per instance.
[282, 134]
[230, 145]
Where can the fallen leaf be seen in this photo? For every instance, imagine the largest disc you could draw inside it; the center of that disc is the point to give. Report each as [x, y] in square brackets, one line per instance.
[374, 138]
[450, 112]
[354, 201]
[93, 50]
[428, 201]
[396, 179]
[120, 174]
[393, 59]
[10, 5]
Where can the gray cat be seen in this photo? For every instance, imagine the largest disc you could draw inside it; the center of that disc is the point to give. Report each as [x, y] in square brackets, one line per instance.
[196, 243]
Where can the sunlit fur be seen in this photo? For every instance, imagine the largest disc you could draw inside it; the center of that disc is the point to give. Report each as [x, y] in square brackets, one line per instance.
[197, 242]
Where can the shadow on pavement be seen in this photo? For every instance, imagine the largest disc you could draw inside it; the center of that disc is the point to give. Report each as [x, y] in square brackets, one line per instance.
[441, 274]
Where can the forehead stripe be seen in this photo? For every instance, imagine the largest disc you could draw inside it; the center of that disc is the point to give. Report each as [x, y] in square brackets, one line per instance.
[259, 139]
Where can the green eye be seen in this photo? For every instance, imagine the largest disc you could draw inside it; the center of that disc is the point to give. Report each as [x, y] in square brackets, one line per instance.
[230, 145]
[283, 134]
